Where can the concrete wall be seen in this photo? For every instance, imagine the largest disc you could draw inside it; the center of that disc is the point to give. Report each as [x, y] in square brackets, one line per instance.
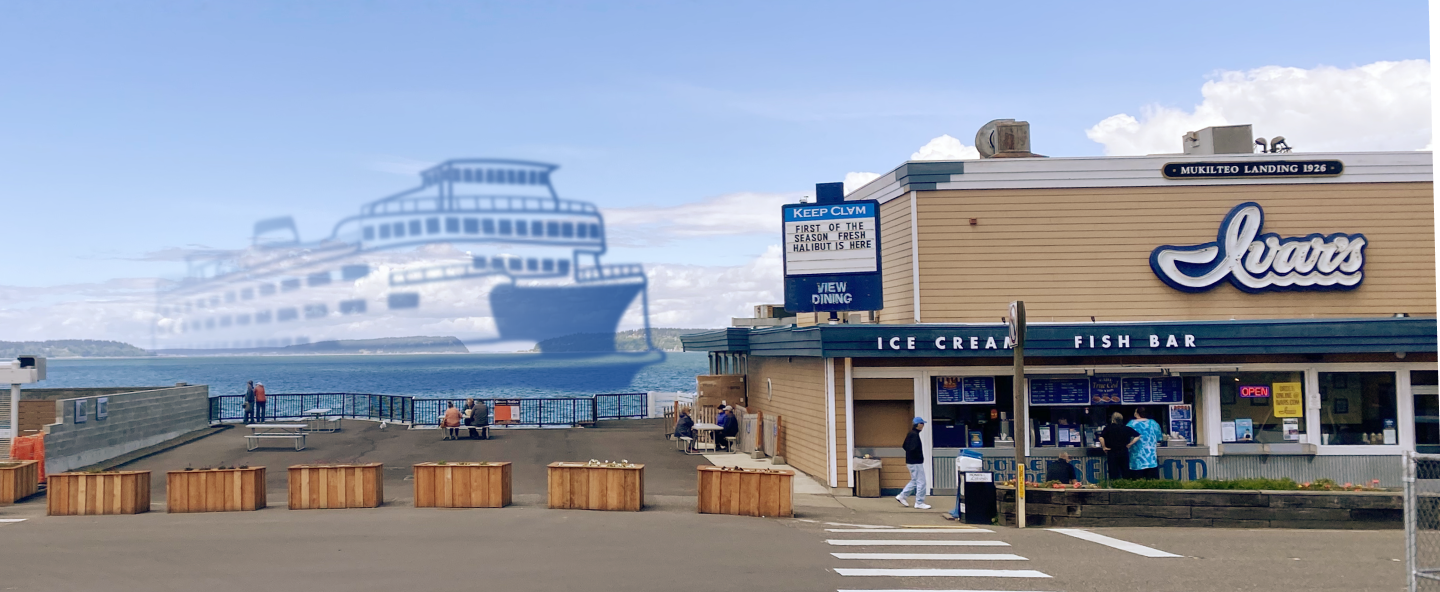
[137, 419]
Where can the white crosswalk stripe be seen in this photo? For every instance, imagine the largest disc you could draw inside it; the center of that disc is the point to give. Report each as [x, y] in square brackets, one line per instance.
[932, 556]
[914, 530]
[930, 590]
[914, 543]
[937, 573]
[1114, 542]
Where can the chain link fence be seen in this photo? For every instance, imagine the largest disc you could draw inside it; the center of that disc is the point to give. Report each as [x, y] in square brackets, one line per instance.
[1422, 521]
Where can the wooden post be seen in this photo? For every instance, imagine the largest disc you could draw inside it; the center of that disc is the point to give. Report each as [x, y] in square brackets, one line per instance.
[1022, 407]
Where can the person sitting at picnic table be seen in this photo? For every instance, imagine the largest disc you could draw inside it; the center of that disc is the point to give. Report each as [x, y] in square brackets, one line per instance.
[479, 418]
[451, 422]
[729, 426]
[684, 425]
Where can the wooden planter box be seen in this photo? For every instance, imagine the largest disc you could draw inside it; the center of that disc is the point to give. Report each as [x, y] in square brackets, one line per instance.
[86, 494]
[465, 485]
[18, 480]
[336, 486]
[578, 486]
[215, 490]
[744, 492]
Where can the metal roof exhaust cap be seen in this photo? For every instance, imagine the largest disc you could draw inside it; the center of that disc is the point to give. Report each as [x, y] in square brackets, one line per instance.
[1004, 138]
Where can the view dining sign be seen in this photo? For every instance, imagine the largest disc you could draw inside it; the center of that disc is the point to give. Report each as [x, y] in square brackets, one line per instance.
[1256, 262]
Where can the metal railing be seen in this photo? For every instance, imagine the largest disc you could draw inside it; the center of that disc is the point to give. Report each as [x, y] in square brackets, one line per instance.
[479, 203]
[622, 406]
[609, 272]
[1422, 520]
[541, 412]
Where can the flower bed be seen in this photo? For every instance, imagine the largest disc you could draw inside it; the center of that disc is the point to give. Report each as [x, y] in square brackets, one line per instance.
[215, 490]
[596, 485]
[744, 492]
[1192, 507]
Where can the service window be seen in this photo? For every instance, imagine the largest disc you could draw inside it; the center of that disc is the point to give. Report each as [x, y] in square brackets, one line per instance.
[1424, 389]
[1266, 407]
[1358, 408]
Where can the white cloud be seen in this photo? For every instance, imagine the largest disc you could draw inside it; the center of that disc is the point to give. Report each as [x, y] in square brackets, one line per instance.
[855, 181]
[945, 148]
[1380, 106]
[709, 296]
[731, 214]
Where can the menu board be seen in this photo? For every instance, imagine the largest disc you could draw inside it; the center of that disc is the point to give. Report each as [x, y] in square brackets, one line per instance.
[1104, 390]
[969, 390]
[1166, 390]
[1060, 391]
[1135, 391]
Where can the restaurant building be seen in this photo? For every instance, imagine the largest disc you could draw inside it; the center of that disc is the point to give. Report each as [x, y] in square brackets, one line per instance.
[1275, 313]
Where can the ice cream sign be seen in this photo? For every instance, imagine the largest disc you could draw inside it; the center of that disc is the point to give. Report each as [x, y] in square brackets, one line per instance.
[1256, 262]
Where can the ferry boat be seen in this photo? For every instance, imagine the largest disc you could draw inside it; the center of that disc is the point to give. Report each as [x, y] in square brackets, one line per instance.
[483, 250]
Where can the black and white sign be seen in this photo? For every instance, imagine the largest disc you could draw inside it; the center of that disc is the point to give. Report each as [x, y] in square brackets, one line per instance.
[832, 253]
[1258, 169]
[80, 411]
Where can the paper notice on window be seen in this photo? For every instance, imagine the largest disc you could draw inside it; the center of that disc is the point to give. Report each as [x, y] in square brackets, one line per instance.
[1288, 399]
[1227, 431]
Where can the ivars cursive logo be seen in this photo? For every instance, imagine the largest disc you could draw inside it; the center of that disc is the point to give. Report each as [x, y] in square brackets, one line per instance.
[1256, 262]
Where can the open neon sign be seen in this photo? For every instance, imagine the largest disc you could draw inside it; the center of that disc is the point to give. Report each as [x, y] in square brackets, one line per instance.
[1255, 392]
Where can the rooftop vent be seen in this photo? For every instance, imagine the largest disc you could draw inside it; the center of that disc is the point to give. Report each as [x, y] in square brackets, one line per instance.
[1220, 139]
[1004, 138]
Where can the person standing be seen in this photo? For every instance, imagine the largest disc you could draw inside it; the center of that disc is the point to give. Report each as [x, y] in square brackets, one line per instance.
[915, 462]
[1116, 439]
[259, 402]
[1143, 461]
[249, 401]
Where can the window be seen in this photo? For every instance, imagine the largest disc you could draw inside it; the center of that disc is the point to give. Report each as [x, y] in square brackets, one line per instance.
[537, 228]
[369, 233]
[414, 228]
[315, 311]
[532, 264]
[384, 231]
[229, 297]
[352, 306]
[247, 294]
[286, 314]
[354, 272]
[262, 317]
[452, 225]
[552, 229]
[488, 225]
[594, 231]
[1423, 386]
[567, 230]
[472, 226]
[563, 266]
[397, 229]
[290, 284]
[497, 263]
[1249, 397]
[242, 320]
[432, 226]
[209, 323]
[267, 289]
[214, 301]
[522, 228]
[319, 278]
[515, 264]
[548, 265]
[1358, 408]
[479, 262]
[580, 230]
[505, 227]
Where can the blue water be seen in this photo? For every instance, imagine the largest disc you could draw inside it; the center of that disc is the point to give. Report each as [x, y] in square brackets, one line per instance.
[443, 375]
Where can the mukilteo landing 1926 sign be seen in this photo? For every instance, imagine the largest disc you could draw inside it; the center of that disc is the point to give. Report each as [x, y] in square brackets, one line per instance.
[1254, 169]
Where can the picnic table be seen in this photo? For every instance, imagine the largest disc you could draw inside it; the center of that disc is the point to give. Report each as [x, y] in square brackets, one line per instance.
[277, 431]
[705, 435]
[320, 420]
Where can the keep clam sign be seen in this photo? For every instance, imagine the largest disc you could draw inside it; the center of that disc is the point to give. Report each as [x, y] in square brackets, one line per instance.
[832, 256]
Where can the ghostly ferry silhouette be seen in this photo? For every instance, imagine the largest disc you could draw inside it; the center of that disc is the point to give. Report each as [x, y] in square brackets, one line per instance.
[484, 250]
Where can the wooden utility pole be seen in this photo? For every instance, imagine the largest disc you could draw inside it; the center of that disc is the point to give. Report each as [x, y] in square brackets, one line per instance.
[1022, 406]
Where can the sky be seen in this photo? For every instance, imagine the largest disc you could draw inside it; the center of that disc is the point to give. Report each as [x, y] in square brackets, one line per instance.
[134, 132]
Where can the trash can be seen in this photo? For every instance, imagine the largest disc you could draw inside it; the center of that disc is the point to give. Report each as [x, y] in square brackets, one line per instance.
[867, 477]
[979, 490]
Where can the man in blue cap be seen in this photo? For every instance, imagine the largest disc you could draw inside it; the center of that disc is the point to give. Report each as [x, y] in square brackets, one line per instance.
[915, 461]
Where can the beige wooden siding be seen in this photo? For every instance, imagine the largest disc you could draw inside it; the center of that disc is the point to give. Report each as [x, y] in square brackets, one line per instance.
[842, 459]
[1071, 254]
[895, 262]
[884, 389]
[893, 473]
[799, 398]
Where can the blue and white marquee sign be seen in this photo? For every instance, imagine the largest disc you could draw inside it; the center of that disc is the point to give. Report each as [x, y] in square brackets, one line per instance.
[1256, 262]
[832, 253]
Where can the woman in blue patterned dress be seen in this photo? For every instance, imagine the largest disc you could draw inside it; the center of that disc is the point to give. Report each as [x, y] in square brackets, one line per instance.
[1143, 463]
